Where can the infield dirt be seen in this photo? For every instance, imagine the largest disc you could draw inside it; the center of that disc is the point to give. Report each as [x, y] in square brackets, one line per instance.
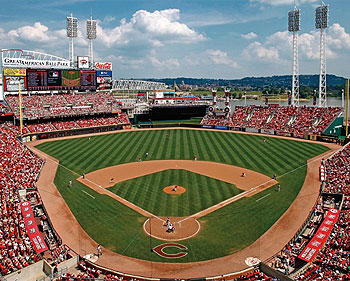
[266, 246]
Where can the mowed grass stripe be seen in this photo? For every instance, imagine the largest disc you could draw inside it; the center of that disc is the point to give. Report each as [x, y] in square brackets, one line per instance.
[236, 226]
[285, 150]
[185, 145]
[131, 153]
[265, 164]
[64, 148]
[215, 148]
[124, 148]
[250, 157]
[147, 192]
[111, 158]
[152, 146]
[240, 156]
[205, 149]
[282, 156]
[74, 151]
[100, 145]
[234, 154]
[103, 152]
[81, 160]
[135, 150]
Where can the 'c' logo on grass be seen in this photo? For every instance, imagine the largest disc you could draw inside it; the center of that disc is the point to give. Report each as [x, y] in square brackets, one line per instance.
[159, 250]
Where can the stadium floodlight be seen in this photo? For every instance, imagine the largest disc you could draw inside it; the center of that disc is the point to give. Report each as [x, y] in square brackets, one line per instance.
[91, 35]
[72, 32]
[321, 22]
[294, 26]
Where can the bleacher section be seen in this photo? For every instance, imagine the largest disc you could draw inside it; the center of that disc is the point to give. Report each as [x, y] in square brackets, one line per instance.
[19, 170]
[297, 121]
[36, 106]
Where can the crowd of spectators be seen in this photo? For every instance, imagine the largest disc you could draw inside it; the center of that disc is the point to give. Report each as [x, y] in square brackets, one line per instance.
[54, 105]
[51, 126]
[333, 261]
[19, 169]
[338, 173]
[256, 275]
[4, 108]
[296, 120]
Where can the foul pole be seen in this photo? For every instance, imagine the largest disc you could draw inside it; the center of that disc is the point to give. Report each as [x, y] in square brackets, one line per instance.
[20, 109]
[347, 109]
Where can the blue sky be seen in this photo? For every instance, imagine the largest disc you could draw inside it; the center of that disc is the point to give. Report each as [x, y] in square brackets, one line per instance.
[183, 38]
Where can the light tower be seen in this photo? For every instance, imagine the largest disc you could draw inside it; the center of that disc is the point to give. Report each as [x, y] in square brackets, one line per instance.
[322, 23]
[294, 26]
[91, 35]
[72, 32]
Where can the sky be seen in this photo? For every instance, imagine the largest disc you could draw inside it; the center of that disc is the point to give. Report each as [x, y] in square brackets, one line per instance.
[228, 39]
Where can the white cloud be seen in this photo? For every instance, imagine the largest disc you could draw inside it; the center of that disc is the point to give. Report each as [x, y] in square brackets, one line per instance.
[337, 37]
[257, 51]
[279, 45]
[220, 57]
[150, 28]
[146, 29]
[249, 36]
[283, 2]
[37, 32]
[165, 64]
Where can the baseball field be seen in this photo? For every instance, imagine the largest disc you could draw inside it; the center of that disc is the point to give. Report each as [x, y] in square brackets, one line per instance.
[119, 227]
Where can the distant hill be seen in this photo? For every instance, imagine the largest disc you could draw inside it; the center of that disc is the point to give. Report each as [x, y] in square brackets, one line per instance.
[271, 81]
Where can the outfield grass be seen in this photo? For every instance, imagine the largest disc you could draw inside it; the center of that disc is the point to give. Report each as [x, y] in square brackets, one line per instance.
[237, 225]
[201, 192]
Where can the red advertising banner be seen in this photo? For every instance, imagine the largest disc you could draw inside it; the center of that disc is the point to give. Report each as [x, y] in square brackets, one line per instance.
[35, 237]
[321, 236]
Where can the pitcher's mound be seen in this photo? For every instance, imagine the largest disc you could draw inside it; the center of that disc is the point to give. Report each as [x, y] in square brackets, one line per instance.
[174, 189]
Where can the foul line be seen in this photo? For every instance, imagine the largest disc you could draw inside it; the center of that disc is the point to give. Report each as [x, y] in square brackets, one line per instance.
[46, 157]
[88, 194]
[262, 197]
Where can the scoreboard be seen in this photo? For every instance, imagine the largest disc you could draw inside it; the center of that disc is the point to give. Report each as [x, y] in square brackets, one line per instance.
[56, 79]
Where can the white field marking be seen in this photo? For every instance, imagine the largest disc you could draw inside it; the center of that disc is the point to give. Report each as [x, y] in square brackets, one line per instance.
[88, 194]
[169, 239]
[243, 194]
[45, 156]
[37, 151]
[262, 197]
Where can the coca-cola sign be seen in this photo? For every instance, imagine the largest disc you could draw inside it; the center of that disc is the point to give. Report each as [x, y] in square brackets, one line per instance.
[103, 65]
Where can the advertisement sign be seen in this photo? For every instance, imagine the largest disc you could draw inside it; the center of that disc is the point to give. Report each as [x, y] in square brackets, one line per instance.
[71, 79]
[14, 72]
[104, 82]
[221, 127]
[24, 62]
[321, 236]
[104, 73]
[11, 83]
[206, 126]
[88, 79]
[266, 131]
[83, 62]
[103, 66]
[32, 228]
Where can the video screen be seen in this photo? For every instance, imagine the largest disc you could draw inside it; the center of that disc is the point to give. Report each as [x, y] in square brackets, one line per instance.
[36, 79]
[71, 79]
[54, 78]
[88, 79]
[12, 82]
